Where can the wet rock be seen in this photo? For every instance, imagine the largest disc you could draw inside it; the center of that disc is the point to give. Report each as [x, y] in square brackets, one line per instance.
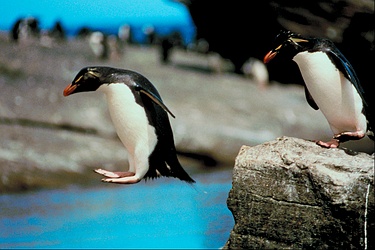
[47, 157]
[291, 193]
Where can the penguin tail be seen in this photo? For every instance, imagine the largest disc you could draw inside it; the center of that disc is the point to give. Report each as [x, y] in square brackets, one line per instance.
[177, 170]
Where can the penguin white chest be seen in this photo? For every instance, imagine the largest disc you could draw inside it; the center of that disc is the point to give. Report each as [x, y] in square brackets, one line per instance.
[335, 95]
[129, 118]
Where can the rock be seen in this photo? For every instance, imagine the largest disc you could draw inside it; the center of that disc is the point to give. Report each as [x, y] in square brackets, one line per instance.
[291, 193]
[33, 157]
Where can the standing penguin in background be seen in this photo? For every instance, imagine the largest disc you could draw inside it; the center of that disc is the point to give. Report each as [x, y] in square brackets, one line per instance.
[141, 122]
[331, 85]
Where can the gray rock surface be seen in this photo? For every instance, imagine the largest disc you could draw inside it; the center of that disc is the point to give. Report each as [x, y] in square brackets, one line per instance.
[291, 193]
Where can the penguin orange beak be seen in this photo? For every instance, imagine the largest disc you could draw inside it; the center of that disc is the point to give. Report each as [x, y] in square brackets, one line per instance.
[70, 89]
[270, 55]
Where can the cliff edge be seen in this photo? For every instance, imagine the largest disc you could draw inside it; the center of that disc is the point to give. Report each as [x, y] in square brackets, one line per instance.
[291, 193]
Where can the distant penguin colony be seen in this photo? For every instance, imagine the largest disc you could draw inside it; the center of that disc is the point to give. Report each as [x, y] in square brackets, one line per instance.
[331, 85]
[25, 28]
[99, 44]
[141, 122]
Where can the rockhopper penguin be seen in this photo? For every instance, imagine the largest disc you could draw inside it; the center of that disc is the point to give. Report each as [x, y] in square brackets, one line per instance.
[331, 85]
[141, 122]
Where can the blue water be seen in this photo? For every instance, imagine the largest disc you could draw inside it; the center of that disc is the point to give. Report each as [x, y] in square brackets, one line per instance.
[165, 213]
[105, 15]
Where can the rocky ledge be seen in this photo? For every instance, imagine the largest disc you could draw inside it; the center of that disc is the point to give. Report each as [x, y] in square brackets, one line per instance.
[291, 193]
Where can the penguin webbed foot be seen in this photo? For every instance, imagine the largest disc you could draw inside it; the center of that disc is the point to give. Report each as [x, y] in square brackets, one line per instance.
[348, 136]
[333, 143]
[111, 174]
[341, 137]
[118, 177]
[123, 180]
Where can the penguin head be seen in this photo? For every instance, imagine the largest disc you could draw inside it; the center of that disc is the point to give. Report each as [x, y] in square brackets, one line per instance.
[88, 79]
[289, 44]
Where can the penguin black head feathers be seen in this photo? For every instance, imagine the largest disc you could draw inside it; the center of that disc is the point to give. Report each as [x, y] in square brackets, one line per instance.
[88, 79]
[287, 43]
[91, 78]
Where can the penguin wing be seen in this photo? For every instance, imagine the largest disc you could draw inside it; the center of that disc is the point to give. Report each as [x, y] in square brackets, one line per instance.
[310, 99]
[348, 71]
[154, 98]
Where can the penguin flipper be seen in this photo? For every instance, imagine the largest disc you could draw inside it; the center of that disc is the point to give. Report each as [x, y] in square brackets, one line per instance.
[155, 99]
[310, 99]
[337, 56]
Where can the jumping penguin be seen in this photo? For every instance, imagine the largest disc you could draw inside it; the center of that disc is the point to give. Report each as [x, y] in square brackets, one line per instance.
[331, 85]
[141, 122]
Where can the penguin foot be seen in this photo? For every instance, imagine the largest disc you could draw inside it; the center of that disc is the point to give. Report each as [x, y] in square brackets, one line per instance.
[347, 136]
[118, 177]
[341, 137]
[111, 174]
[123, 180]
[334, 143]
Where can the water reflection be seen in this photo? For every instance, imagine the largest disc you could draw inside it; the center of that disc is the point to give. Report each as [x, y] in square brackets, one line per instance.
[157, 214]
